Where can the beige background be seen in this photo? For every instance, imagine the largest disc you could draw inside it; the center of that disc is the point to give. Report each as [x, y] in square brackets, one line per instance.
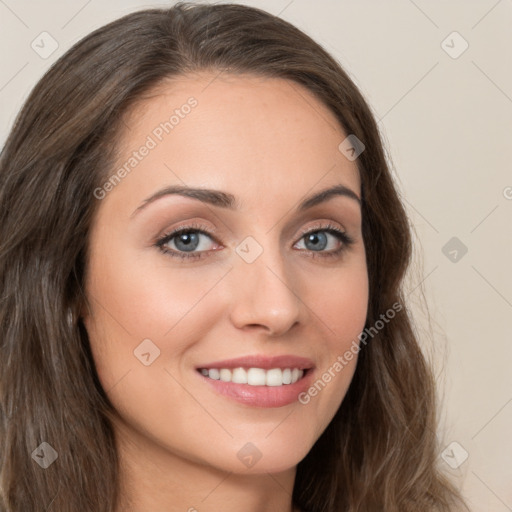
[447, 121]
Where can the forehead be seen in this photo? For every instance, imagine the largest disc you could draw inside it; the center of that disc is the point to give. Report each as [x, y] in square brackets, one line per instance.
[242, 133]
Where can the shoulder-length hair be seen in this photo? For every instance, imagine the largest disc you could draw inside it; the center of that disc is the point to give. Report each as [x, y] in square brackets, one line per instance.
[380, 450]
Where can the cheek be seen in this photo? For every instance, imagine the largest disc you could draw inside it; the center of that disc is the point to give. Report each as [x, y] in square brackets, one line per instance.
[340, 305]
[150, 298]
[140, 297]
[339, 298]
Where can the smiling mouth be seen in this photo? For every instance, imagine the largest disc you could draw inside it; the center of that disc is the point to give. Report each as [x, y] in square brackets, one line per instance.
[272, 377]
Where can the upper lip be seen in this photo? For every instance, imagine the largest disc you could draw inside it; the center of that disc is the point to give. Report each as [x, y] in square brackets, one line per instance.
[265, 362]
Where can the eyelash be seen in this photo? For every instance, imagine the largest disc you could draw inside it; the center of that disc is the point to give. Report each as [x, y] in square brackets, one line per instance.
[342, 236]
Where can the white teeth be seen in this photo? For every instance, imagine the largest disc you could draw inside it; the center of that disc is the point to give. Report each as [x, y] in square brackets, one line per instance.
[255, 376]
[275, 377]
[239, 376]
[213, 374]
[225, 375]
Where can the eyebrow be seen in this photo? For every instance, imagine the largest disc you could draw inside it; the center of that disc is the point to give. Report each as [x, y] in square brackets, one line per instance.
[229, 201]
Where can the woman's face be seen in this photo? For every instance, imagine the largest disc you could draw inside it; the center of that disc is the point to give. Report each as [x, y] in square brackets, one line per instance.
[263, 273]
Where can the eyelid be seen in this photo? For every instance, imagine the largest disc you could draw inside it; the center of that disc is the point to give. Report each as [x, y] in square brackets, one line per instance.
[324, 225]
[209, 231]
[193, 226]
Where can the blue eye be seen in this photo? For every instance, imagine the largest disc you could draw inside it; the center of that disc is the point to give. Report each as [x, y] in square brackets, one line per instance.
[185, 240]
[318, 240]
[192, 242]
[327, 237]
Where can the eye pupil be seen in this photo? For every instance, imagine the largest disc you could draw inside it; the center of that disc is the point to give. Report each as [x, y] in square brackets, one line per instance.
[318, 241]
[188, 241]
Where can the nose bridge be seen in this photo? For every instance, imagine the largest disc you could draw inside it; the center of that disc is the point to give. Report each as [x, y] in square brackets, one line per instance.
[264, 294]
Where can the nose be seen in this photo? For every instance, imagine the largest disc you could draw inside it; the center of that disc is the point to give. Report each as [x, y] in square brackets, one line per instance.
[263, 296]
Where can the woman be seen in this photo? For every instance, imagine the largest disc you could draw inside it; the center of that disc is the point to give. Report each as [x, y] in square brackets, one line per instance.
[201, 266]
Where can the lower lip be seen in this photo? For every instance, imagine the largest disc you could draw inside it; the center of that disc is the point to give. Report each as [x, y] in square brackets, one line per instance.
[261, 396]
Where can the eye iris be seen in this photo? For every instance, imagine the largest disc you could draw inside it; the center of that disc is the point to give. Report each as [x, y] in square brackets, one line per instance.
[319, 241]
[187, 241]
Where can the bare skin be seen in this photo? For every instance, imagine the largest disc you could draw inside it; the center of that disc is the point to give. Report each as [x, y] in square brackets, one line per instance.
[271, 144]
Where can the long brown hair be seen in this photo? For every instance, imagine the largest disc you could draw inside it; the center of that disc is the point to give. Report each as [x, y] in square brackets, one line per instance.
[379, 453]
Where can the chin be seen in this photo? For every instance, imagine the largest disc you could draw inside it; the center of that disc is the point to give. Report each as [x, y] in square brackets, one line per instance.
[260, 455]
